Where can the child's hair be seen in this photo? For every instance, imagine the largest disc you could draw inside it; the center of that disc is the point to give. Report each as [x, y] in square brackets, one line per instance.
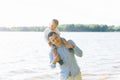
[55, 21]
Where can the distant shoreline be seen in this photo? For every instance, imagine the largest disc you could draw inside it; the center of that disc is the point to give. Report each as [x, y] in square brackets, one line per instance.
[67, 28]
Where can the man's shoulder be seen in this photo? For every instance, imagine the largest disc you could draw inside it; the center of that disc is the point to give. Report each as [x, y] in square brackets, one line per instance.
[70, 41]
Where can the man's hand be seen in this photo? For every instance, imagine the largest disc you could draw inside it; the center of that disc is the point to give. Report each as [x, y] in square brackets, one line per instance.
[56, 59]
[67, 45]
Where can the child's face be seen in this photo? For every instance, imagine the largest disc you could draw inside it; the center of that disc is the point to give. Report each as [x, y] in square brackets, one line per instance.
[53, 26]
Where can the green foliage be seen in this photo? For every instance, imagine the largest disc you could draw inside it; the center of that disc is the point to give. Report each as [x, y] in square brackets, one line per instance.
[88, 28]
[68, 28]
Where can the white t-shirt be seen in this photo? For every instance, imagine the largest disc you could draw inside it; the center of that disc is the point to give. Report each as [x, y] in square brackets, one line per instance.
[48, 30]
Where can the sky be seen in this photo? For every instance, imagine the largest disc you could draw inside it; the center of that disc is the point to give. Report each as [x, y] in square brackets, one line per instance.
[41, 12]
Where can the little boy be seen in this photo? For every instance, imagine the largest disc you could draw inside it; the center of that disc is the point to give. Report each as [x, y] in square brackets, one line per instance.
[53, 28]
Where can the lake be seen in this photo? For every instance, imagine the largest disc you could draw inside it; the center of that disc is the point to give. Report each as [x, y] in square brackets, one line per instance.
[24, 55]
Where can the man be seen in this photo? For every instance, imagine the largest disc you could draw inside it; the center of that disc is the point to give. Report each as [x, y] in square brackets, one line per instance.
[69, 69]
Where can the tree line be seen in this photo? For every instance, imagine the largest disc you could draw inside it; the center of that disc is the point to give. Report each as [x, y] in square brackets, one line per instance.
[68, 28]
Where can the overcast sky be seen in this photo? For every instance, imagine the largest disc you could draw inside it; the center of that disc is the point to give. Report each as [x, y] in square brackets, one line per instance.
[40, 12]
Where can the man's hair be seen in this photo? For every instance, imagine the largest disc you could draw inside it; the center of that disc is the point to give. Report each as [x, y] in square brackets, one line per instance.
[55, 21]
[51, 33]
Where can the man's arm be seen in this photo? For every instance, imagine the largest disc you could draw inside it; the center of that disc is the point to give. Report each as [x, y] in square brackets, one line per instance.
[67, 44]
[76, 49]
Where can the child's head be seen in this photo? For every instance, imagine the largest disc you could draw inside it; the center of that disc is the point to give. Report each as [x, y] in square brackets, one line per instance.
[54, 23]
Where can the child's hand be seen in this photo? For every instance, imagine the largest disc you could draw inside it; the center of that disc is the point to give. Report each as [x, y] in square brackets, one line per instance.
[50, 43]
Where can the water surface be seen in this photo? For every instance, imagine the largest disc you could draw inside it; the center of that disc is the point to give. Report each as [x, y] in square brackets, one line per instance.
[24, 56]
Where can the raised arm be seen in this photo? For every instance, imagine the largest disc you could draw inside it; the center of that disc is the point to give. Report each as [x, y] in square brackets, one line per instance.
[76, 49]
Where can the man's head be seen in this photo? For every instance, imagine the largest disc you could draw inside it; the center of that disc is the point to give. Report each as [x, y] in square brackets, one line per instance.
[54, 23]
[54, 37]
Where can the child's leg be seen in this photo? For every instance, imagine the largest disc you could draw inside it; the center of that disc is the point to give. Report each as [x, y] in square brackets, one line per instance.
[56, 56]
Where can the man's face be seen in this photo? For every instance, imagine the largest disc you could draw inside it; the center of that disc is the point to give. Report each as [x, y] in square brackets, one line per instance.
[54, 39]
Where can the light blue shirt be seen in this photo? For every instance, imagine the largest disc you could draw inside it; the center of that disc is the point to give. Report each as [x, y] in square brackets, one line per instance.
[70, 65]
